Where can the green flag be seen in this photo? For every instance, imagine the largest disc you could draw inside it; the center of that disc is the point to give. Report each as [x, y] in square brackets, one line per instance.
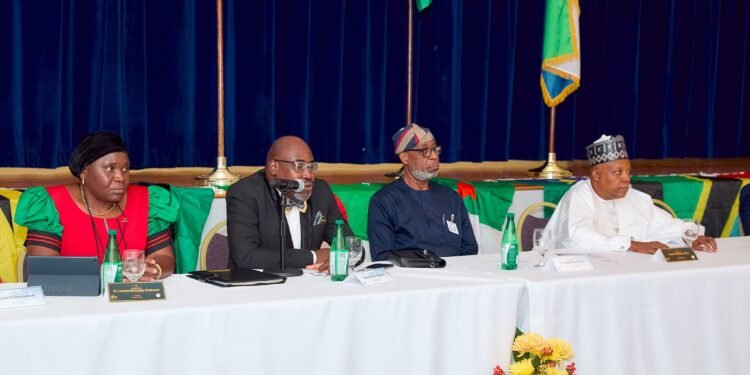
[561, 54]
[356, 200]
[195, 204]
[421, 4]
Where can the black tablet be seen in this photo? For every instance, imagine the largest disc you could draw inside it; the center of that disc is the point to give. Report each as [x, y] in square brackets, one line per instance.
[65, 276]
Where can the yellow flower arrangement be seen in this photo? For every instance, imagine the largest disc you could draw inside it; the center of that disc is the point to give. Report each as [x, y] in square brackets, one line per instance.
[536, 356]
[528, 343]
[561, 350]
[554, 371]
[522, 368]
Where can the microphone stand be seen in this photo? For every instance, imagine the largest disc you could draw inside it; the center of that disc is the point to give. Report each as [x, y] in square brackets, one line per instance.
[283, 271]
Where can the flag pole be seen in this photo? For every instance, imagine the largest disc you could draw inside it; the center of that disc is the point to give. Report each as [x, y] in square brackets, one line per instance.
[550, 169]
[409, 73]
[561, 72]
[221, 177]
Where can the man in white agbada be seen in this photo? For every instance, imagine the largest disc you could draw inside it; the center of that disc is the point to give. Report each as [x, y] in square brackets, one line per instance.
[603, 213]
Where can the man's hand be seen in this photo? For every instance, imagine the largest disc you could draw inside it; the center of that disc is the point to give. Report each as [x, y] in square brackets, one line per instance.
[323, 263]
[646, 247]
[707, 244]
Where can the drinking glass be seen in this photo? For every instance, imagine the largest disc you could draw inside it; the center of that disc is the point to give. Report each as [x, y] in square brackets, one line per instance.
[354, 245]
[691, 231]
[540, 238]
[133, 264]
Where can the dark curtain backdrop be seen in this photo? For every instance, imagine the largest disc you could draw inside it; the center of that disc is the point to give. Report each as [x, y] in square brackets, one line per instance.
[672, 76]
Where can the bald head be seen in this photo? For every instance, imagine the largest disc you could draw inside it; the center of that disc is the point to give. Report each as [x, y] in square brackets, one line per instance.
[289, 147]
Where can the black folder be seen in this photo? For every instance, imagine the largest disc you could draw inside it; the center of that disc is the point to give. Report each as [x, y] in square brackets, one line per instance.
[236, 277]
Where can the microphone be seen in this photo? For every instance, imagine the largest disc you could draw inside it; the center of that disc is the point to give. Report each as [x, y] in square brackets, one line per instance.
[296, 186]
[289, 185]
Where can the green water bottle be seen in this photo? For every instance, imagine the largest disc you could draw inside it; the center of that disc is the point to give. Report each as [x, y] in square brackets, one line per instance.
[112, 264]
[509, 244]
[339, 254]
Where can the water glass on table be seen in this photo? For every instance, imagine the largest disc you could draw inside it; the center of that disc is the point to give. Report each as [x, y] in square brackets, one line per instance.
[354, 245]
[133, 264]
[691, 231]
[540, 238]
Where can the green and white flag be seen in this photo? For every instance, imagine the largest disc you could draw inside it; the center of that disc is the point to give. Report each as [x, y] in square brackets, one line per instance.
[561, 54]
[487, 204]
[421, 4]
[195, 205]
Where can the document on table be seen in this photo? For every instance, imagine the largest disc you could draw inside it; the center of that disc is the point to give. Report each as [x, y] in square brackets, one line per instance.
[594, 258]
[23, 297]
[369, 277]
[564, 263]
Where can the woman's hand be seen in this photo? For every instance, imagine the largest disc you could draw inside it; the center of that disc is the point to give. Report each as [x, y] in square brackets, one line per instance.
[153, 271]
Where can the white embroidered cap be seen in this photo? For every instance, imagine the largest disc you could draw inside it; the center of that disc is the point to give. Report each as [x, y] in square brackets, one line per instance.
[606, 148]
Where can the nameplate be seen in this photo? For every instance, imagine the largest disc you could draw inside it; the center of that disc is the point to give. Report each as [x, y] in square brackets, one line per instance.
[676, 254]
[565, 263]
[129, 292]
[369, 277]
[22, 297]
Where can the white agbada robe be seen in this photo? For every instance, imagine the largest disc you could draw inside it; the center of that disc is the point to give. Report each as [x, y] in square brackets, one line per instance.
[583, 220]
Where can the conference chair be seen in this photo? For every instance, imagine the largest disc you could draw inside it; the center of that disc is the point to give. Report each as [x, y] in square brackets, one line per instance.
[22, 273]
[663, 205]
[527, 222]
[744, 213]
[214, 251]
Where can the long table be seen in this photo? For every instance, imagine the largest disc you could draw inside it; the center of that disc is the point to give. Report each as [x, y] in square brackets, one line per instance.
[631, 315]
[425, 322]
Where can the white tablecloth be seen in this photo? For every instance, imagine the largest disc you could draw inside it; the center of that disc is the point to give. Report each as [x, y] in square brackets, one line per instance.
[425, 322]
[633, 316]
[627, 316]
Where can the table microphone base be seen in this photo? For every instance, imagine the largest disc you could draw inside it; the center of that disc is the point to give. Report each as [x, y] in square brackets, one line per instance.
[285, 272]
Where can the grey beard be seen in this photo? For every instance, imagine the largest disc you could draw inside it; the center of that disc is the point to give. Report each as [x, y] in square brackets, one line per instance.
[420, 175]
[301, 196]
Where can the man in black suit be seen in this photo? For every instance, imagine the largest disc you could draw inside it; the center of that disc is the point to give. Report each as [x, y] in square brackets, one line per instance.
[253, 212]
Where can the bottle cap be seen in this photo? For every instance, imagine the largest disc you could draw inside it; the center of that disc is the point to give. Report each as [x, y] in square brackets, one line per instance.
[339, 222]
[511, 215]
[112, 232]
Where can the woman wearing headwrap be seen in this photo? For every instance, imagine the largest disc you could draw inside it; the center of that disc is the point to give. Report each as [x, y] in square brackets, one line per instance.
[73, 219]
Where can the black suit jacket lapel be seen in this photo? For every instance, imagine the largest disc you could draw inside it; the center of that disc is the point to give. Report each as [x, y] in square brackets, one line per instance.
[305, 226]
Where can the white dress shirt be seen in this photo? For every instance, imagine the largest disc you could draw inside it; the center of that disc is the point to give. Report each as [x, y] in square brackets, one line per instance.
[583, 220]
[295, 230]
[292, 219]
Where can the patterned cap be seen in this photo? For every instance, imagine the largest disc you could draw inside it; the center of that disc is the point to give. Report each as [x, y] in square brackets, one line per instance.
[606, 148]
[409, 137]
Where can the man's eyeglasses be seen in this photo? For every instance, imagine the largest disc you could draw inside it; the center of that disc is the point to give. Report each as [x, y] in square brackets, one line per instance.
[299, 166]
[426, 152]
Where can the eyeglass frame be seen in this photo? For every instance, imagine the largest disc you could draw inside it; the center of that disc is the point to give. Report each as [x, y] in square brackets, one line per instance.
[311, 166]
[428, 150]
